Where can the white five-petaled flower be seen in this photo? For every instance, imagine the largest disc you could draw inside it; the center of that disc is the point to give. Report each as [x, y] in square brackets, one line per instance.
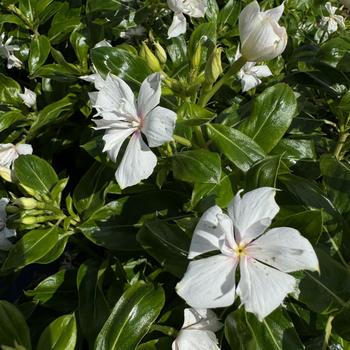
[251, 73]
[28, 98]
[262, 38]
[192, 8]
[7, 51]
[5, 232]
[331, 22]
[10, 152]
[264, 259]
[197, 332]
[122, 116]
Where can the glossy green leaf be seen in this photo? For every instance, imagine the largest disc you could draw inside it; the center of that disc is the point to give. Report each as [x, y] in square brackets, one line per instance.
[9, 90]
[131, 317]
[59, 334]
[39, 51]
[228, 15]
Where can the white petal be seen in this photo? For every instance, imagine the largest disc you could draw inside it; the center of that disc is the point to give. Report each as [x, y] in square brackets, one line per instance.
[207, 233]
[149, 95]
[96, 79]
[28, 98]
[159, 126]
[178, 26]
[114, 139]
[24, 148]
[7, 154]
[249, 18]
[249, 82]
[209, 282]
[201, 319]
[189, 339]
[261, 71]
[9, 232]
[262, 288]
[275, 13]
[13, 61]
[332, 26]
[137, 164]
[285, 249]
[252, 213]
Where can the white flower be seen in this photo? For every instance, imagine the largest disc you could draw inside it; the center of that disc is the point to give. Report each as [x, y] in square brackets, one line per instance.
[193, 8]
[331, 22]
[5, 232]
[7, 50]
[122, 116]
[197, 332]
[262, 38]
[250, 74]
[29, 97]
[9, 153]
[263, 259]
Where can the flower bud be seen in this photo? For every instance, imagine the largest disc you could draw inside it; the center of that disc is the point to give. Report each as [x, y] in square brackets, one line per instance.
[197, 56]
[213, 67]
[6, 173]
[160, 53]
[28, 220]
[26, 203]
[262, 38]
[150, 58]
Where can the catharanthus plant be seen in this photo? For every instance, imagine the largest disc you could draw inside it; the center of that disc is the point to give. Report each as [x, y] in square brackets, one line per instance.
[9, 153]
[331, 22]
[264, 256]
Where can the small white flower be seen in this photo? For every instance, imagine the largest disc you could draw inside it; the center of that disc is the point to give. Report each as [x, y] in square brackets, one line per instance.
[250, 74]
[7, 50]
[5, 232]
[262, 38]
[197, 332]
[122, 117]
[9, 153]
[192, 8]
[331, 22]
[264, 259]
[29, 97]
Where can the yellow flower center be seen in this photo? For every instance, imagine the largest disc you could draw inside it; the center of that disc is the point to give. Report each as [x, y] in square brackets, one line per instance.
[240, 250]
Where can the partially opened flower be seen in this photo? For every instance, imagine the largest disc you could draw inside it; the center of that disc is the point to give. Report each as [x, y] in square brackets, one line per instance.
[262, 38]
[197, 332]
[193, 8]
[7, 51]
[122, 117]
[28, 97]
[5, 232]
[331, 22]
[264, 258]
[10, 152]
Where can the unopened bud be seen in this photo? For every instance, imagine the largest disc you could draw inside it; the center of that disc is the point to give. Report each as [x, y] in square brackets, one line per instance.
[197, 56]
[150, 58]
[26, 203]
[6, 174]
[28, 220]
[213, 68]
[160, 53]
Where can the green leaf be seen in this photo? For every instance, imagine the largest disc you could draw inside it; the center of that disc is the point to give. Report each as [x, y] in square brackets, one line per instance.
[237, 147]
[38, 53]
[35, 173]
[81, 48]
[9, 90]
[131, 317]
[272, 114]
[9, 118]
[27, 7]
[228, 15]
[197, 166]
[13, 327]
[59, 334]
[168, 244]
[295, 149]
[31, 247]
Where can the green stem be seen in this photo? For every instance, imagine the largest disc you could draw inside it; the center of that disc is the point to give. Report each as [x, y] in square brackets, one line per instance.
[343, 136]
[182, 141]
[207, 95]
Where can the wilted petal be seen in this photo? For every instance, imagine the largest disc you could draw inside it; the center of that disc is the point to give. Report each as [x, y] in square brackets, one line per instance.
[137, 164]
[178, 26]
[207, 233]
[149, 95]
[114, 139]
[262, 288]
[261, 71]
[159, 126]
[285, 249]
[209, 282]
[253, 213]
[28, 98]
[249, 82]
[191, 339]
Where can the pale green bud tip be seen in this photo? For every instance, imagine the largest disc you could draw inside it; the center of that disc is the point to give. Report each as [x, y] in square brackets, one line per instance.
[150, 58]
[197, 56]
[213, 68]
[29, 220]
[5, 173]
[26, 203]
[160, 53]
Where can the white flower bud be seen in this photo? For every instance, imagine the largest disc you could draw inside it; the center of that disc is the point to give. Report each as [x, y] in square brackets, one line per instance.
[262, 38]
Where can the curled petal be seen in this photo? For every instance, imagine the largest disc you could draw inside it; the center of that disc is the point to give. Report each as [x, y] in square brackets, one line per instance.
[149, 95]
[114, 139]
[178, 26]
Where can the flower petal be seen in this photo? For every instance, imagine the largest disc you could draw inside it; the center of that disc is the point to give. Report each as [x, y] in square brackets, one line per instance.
[249, 81]
[261, 71]
[201, 319]
[252, 213]
[137, 164]
[159, 126]
[114, 139]
[207, 233]
[275, 13]
[285, 249]
[249, 18]
[149, 95]
[7, 154]
[191, 339]
[24, 148]
[209, 282]
[262, 288]
[178, 26]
